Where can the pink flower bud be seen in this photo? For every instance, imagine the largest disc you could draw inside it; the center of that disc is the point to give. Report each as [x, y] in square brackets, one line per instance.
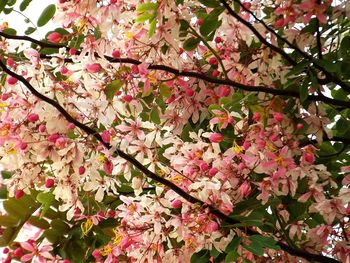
[300, 126]
[218, 40]
[213, 171]
[116, 54]
[72, 51]
[247, 5]
[106, 136]
[53, 137]
[204, 166]
[23, 146]
[111, 214]
[256, 116]
[134, 69]
[96, 254]
[49, 183]
[212, 226]
[241, 166]
[176, 203]
[61, 142]
[189, 92]
[5, 96]
[215, 73]
[8, 260]
[71, 126]
[245, 189]
[5, 250]
[12, 80]
[54, 37]
[18, 252]
[32, 117]
[93, 68]
[200, 21]
[10, 62]
[224, 91]
[278, 116]
[279, 23]
[215, 137]
[213, 61]
[309, 157]
[113, 2]
[64, 70]
[127, 98]
[42, 128]
[62, 1]
[108, 167]
[101, 213]
[19, 194]
[246, 145]
[66, 260]
[81, 170]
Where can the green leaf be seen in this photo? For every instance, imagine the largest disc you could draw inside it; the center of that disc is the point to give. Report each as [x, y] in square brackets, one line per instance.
[256, 249]
[144, 17]
[52, 235]
[112, 88]
[7, 236]
[298, 69]
[10, 31]
[211, 22]
[304, 91]
[201, 257]
[233, 244]
[23, 6]
[59, 226]
[16, 208]
[146, 7]
[231, 257]
[342, 126]
[8, 10]
[29, 30]
[152, 28]
[46, 200]
[39, 222]
[264, 241]
[191, 44]
[6, 220]
[3, 3]
[155, 115]
[164, 90]
[48, 51]
[210, 3]
[46, 15]
[345, 47]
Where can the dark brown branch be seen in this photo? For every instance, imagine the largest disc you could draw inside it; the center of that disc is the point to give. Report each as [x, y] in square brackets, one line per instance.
[155, 177]
[318, 39]
[329, 76]
[208, 78]
[280, 92]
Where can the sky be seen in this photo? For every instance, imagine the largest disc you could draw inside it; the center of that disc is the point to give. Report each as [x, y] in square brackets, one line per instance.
[17, 21]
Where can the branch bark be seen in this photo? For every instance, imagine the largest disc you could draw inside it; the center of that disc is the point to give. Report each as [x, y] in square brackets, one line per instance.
[293, 251]
[329, 76]
[185, 73]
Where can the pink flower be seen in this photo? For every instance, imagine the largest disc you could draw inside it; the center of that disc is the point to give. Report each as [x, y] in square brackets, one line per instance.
[213, 171]
[312, 8]
[212, 227]
[54, 37]
[93, 68]
[40, 254]
[215, 137]
[245, 189]
[19, 194]
[81, 170]
[222, 118]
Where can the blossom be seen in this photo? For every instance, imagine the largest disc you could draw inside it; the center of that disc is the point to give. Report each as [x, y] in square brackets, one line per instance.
[41, 254]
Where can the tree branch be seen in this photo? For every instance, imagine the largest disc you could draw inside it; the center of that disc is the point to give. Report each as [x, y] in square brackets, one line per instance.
[329, 76]
[205, 77]
[293, 251]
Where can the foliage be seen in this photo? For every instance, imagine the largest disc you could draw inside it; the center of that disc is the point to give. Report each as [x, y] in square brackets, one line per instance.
[176, 131]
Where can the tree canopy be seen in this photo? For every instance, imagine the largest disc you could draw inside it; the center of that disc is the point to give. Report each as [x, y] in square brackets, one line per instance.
[176, 131]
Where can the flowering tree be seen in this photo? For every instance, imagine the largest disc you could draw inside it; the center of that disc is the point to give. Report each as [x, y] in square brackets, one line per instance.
[177, 131]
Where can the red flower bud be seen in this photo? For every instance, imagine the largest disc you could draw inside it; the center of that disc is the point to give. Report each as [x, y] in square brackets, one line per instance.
[49, 183]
